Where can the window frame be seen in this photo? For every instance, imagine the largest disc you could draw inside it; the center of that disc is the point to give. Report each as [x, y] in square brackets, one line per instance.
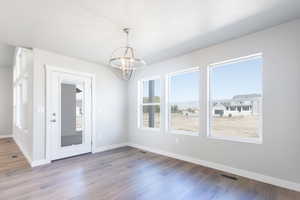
[209, 117]
[140, 116]
[18, 105]
[168, 77]
[20, 90]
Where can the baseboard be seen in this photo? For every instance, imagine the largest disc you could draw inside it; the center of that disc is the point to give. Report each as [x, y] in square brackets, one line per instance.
[23, 151]
[97, 150]
[244, 173]
[39, 163]
[5, 136]
[109, 147]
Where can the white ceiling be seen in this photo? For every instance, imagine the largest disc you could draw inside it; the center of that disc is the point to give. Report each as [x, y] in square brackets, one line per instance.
[6, 55]
[90, 29]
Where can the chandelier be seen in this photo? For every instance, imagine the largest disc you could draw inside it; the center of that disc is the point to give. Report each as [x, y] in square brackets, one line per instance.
[124, 59]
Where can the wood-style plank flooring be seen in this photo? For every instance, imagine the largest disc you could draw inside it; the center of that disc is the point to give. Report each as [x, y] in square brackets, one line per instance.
[11, 158]
[129, 173]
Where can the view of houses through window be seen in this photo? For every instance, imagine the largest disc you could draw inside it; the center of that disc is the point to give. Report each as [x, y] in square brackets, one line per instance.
[184, 101]
[236, 98]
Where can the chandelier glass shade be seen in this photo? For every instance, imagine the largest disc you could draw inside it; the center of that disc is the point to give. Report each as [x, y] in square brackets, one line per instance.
[123, 58]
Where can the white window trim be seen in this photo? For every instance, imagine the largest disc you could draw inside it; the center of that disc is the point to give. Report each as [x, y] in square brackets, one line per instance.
[209, 135]
[21, 74]
[168, 128]
[141, 104]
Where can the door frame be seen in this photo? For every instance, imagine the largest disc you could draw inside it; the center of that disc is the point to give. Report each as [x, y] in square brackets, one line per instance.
[49, 69]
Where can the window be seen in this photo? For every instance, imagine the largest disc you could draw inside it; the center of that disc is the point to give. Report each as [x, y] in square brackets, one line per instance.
[18, 105]
[183, 102]
[21, 104]
[236, 85]
[149, 103]
[21, 90]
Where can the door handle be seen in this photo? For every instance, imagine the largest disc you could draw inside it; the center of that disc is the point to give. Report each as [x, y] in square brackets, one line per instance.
[53, 118]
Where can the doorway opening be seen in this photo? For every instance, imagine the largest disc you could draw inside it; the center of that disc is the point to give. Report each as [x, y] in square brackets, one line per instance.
[70, 125]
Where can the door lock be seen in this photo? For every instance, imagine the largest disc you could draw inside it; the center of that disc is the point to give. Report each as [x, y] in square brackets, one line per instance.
[53, 118]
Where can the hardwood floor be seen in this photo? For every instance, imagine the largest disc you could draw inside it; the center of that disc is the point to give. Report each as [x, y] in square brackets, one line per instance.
[129, 173]
[11, 158]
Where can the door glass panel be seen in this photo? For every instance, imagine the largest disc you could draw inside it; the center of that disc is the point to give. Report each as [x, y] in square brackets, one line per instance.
[71, 114]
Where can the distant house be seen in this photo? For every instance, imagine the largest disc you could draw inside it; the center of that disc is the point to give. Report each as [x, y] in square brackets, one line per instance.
[239, 105]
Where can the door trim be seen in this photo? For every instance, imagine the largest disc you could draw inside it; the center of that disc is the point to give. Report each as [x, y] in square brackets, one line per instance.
[49, 69]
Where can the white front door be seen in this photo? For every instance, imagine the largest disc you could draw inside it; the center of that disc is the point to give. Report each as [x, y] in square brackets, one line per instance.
[69, 103]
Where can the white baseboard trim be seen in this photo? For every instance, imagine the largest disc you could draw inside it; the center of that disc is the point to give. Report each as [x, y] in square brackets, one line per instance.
[39, 163]
[97, 150]
[244, 173]
[5, 136]
[28, 158]
[109, 147]
[23, 151]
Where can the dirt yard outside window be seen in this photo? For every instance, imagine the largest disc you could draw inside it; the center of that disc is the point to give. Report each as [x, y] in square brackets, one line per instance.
[241, 126]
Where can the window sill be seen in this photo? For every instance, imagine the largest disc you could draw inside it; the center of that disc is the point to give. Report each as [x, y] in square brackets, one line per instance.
[150, 129]
[237, 139]
[188, 133]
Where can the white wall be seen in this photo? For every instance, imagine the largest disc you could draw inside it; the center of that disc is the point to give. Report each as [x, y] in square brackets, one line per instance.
[278, 156]
[6, 100]
[111, 100]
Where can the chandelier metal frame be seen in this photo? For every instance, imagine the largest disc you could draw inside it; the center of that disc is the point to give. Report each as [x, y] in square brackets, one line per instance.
[123, 58]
